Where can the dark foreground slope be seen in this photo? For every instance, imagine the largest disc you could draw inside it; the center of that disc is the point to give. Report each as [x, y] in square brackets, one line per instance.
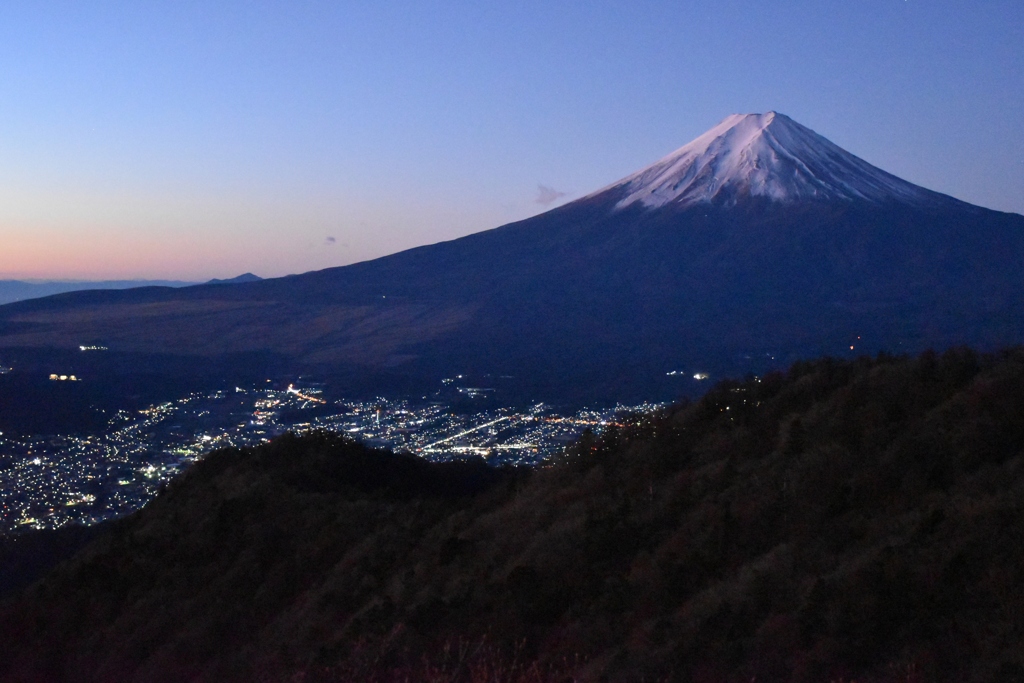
[848, 520]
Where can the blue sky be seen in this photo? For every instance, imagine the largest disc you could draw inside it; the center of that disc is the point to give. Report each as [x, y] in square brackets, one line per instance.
[195, 139]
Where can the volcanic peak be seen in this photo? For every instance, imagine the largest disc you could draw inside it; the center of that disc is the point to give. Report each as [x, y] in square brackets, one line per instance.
[763, 155]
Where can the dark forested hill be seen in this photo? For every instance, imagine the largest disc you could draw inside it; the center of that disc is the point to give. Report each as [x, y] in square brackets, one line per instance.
[848, 520]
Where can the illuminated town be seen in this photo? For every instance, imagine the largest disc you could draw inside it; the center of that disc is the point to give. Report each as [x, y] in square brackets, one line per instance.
[49, 482]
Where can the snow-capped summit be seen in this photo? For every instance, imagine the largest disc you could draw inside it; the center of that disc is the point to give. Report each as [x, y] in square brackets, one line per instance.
[763, 155]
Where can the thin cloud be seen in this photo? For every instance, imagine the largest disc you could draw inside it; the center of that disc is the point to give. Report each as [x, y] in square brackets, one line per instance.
[547, 195]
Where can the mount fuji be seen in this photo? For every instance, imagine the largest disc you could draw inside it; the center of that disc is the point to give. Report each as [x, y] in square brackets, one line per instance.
[763, 155]
[756, 244]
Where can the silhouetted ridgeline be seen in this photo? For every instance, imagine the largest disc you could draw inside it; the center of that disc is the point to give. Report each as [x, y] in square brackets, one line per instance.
[847, 520]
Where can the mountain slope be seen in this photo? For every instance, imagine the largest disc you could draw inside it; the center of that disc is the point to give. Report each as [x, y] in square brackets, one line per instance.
[845, 521]
[757, 244]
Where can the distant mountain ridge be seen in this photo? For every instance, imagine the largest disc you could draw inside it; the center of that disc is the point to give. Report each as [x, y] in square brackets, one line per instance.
[244, 277]
[759, 243]
[19, 290]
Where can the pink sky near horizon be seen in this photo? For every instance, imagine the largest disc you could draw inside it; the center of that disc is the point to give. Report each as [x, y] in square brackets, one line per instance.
[199, 240]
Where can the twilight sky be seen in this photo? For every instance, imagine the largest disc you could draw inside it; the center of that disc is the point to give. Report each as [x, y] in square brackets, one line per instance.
[192, 140]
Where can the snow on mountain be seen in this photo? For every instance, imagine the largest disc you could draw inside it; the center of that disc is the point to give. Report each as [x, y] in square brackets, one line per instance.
[763, 155]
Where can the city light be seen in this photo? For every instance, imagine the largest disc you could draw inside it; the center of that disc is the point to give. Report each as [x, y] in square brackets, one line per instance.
[51, 481]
